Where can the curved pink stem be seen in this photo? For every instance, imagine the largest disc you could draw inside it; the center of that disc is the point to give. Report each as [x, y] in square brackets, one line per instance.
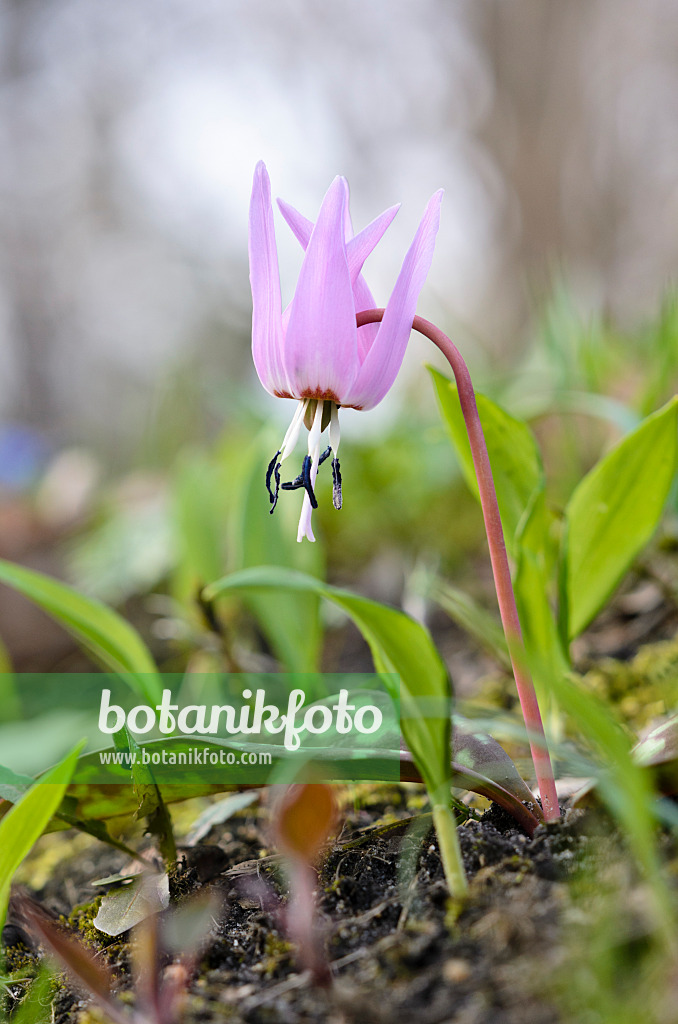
[500, 566]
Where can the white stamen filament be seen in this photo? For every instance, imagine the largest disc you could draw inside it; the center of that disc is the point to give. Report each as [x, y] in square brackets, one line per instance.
[314, 433]
[292, 435]
[335, 433]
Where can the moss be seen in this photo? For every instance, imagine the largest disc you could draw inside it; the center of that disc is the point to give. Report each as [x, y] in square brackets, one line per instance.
[19, 959]
[81, 921]
[643, 689]
[276, 946]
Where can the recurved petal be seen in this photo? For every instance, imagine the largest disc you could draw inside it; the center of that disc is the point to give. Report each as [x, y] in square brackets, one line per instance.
[348, 222]
[357, 251]
[360, 247]
[265, 281]
[301, 226]
[382, 362]
[320, 349]
[363, 298]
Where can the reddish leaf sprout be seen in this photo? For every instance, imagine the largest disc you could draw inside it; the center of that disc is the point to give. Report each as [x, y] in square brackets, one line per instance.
[305, 817]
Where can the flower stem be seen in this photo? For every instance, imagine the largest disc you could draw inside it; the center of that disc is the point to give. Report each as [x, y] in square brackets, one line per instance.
[500, 566]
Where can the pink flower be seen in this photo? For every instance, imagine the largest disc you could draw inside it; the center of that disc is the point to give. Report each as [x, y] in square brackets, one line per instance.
[312, 351]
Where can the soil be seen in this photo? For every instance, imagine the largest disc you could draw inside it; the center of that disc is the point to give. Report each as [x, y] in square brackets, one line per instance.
[519, 950]
[399, 947]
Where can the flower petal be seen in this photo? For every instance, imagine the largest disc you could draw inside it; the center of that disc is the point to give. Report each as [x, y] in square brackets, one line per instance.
[301, 226]
[364, 299]
[360, 247]
[265, 281]
[382, 362]
[320, 349]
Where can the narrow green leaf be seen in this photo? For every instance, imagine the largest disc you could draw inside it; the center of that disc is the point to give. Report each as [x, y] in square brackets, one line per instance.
[104, 633]
[197, 515]
[96, 829]
[472, 617]
[624, 786]
[36, 1006]
[399, 645]
[151, 805]
[514, 456]
[612, 515]
[9, 697]
[23, 825]
[13, 786]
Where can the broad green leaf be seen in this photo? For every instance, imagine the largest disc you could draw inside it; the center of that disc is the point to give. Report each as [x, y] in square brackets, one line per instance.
[484, 769]
[26, 821]
[534, 576]
[290, 622]
[612, 515]
[104, 633]
[399, 645]
[514, 456]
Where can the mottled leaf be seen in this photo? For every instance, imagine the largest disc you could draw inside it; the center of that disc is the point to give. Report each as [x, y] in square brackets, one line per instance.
[124, 908]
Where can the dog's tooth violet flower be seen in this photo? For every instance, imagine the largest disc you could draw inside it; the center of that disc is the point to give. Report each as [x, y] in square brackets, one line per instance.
[313, 351]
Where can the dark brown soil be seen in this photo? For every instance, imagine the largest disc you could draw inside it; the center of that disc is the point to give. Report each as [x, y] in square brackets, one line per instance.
[400, 949]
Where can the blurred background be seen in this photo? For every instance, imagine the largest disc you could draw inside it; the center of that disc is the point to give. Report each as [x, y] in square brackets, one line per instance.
[129, 131]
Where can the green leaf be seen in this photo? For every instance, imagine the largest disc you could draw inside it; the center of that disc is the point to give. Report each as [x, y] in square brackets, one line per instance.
[399, 645]
[624, 786]
[472, 617]
[197, 515]
[9, 697]
[36, 1006]
[151, 805]
[25, 822]
[514, 456]
[534, 576]
[96, 829]
[290, 622]
[484, 769]
[13, 786]
[612, 515]
[104, 633]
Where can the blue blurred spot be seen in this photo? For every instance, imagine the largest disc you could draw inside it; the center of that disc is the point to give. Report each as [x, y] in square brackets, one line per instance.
[23, 454]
